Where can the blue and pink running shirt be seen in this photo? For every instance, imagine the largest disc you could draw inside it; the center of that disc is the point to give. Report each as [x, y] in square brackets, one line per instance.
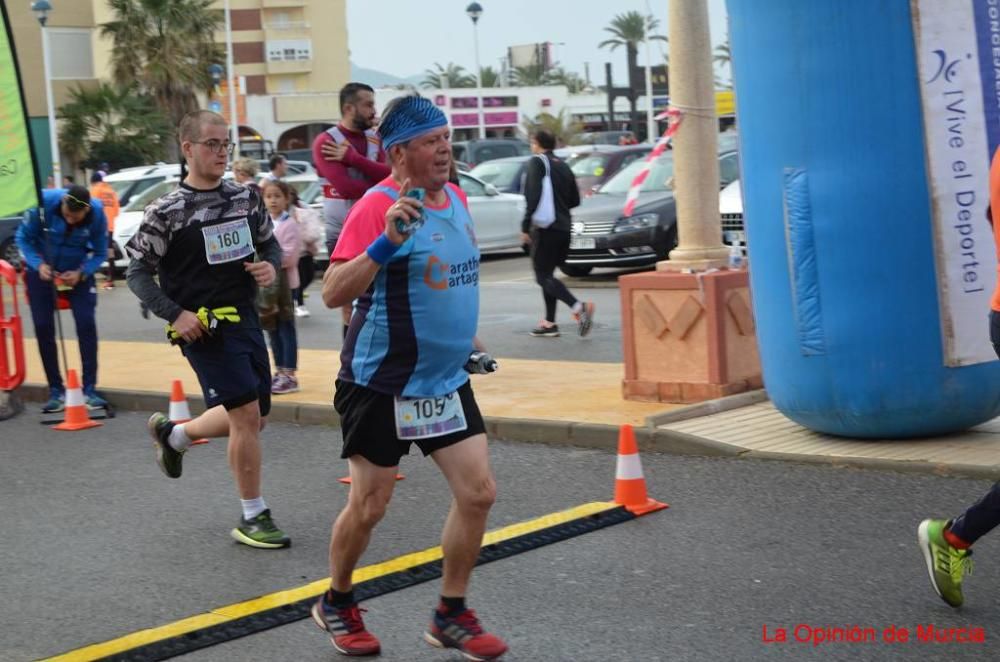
[411, 332]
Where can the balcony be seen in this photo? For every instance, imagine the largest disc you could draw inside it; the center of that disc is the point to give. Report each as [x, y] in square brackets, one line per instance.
[276, 67]
[278, 4]
[288, 30]
[284, 26]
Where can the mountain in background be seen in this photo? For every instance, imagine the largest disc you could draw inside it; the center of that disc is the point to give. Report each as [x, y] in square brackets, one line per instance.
[378, 79]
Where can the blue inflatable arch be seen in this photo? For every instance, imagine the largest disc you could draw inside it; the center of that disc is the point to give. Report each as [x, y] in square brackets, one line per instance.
[838, 207]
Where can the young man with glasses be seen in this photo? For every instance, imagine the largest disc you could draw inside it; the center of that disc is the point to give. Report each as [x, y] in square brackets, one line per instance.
[211, 242]
[65, 250]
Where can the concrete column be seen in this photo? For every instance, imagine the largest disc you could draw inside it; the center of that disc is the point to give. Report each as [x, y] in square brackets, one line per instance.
[696, 171]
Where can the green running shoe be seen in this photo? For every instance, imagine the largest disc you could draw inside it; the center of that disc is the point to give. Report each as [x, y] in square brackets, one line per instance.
[945, 564]
[168, 458]
[261, 532]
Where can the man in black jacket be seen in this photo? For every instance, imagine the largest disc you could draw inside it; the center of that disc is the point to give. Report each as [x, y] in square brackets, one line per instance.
[546, 226]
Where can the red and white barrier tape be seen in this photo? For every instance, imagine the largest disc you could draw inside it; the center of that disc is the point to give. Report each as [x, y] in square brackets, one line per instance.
[673, 117]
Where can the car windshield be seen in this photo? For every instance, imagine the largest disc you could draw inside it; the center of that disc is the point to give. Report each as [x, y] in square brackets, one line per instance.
[121, 186]
[312, 193]
[589, 165]
[139, 202]
[502, 174]
[300, 185]
[659, 175]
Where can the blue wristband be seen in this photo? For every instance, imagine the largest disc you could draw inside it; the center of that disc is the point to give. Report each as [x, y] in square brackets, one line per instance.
[381, 250]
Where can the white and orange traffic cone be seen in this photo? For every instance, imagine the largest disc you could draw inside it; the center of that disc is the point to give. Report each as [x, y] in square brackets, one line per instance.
[77, 416]
[179, 411]
[630, 485]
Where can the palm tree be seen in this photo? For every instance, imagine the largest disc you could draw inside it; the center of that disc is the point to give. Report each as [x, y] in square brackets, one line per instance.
[723, 58]
[563, 128]
[490, 77]
[573, 81]
[449, 76]
[164, 48]
[629, 30]
[113, 124]
[532, 75]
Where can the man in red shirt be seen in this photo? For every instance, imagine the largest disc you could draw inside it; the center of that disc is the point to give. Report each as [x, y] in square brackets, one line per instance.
[350, 160]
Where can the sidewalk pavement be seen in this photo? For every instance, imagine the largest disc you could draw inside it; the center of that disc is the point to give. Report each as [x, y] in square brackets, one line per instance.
[566, 402]
[554, 391]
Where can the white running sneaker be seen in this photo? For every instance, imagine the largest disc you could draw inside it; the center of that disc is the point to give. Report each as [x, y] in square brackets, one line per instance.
[301, 311]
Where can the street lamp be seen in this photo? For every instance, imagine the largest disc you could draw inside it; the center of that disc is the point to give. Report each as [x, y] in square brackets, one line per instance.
[215, 71]
[475, 10]
[234, 127]
[41, 8]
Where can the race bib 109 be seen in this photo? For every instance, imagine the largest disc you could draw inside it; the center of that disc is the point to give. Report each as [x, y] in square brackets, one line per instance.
[423, 418]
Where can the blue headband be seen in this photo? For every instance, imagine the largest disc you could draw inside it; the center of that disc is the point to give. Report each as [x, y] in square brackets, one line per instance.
[410, 118]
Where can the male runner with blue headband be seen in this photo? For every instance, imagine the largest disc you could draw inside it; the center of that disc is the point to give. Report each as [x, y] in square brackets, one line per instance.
[411, 267]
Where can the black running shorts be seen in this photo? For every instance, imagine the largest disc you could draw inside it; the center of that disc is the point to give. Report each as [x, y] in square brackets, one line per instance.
[233, 367]
[368, 423]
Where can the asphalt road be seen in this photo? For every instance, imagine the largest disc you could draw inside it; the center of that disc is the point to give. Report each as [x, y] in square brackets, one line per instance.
[510, 306]
[97, 543]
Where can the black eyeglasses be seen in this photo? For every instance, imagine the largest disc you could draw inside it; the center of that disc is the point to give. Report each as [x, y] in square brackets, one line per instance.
[217, 146]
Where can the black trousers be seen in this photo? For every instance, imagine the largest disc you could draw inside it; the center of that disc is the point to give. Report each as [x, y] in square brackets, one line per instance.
[984, 515]
[549, 249]
[307, 272]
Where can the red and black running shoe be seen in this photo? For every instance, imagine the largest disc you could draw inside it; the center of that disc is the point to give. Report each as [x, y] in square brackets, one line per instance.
[464, 633]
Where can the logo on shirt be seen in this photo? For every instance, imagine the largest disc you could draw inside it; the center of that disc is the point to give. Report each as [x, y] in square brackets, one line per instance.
[436, 274]
[440, 275]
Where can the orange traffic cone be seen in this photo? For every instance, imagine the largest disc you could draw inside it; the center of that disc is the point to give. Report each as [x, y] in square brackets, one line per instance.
[630, 485]
[179, 411]
[77, 416]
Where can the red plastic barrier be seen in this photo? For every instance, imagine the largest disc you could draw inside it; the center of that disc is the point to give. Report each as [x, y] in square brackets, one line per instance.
[10, 327]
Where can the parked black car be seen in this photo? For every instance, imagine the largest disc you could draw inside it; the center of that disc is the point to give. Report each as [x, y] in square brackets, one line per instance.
[603, 237]
[592, 169]
[602, 138]
[478, 151]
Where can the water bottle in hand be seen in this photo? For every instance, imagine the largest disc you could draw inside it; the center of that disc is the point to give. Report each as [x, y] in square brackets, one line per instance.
[481, 363]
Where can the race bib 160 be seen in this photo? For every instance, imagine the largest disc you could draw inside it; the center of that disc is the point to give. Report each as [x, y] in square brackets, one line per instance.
[228, 241]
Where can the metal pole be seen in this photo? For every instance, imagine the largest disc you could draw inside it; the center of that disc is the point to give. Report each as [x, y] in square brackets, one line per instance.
[231, 82]
[650, 122]
[50, 102]
[479, 79]
[696, 163]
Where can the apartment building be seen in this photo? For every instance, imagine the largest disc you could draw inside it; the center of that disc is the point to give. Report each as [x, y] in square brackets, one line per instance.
[290, 57]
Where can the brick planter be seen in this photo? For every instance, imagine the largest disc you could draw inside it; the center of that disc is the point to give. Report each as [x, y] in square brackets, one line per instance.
[688, 337]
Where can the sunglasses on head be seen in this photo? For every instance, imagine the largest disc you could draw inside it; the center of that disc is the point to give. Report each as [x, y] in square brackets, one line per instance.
[76, 204]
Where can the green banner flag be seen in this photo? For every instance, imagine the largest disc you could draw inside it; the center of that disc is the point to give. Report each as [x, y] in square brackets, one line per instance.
[18, 188]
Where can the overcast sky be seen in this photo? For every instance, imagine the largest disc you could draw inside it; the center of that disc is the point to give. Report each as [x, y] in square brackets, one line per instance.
[404, 37]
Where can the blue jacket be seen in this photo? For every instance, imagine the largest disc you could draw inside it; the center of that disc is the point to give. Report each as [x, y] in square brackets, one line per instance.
[83, 247]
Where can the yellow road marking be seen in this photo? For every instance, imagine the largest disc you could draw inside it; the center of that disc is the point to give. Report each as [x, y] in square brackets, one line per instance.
[314, 589]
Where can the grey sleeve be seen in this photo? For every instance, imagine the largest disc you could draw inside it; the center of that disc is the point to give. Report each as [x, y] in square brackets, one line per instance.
[140, 279]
